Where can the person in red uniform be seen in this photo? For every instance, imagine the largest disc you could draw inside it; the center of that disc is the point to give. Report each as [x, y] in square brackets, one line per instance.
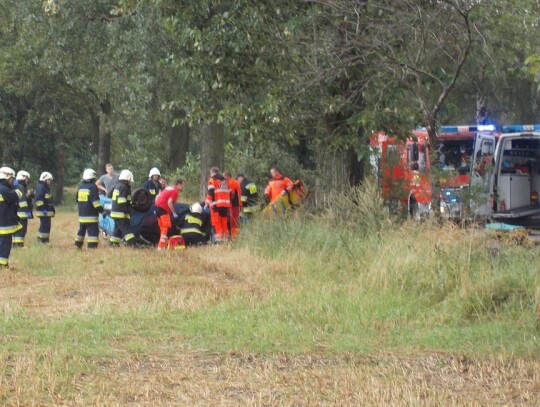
[164, 207]
[277, 186]
[218, 199]
[236, 203]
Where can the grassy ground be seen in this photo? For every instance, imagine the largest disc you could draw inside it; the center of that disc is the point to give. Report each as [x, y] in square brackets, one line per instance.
[294, 313]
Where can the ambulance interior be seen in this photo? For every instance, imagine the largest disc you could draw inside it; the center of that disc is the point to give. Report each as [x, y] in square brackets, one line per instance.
[518, 176]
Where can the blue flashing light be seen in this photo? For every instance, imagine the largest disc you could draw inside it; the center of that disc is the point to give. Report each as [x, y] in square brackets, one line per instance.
[486, 127]
[468, 129]
[515, 128]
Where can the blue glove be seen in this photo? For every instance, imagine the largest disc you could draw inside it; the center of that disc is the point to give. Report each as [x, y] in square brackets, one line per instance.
[44, 211]
[15, 183]
[29, 214]
[174, 215]
[284, 192]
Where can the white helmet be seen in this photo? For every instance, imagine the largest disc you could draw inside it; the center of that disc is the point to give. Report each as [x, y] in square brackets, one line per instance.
[22, 175]
[45, 176]
[89, 174]
[154, 171]
[6, 173]
[196, 208]
[126, 175]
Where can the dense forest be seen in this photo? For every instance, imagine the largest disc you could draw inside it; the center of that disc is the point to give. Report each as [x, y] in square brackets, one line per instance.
[245, 85]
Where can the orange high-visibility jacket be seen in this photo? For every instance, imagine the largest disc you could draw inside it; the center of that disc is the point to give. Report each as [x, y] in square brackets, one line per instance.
[236, 192]
[219, 193]
[276, 187]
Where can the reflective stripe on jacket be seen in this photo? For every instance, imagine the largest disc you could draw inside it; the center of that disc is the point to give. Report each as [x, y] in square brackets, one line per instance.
[88, 202]
[121, 201]
[9, 198]
[43, 201]
[219, 194]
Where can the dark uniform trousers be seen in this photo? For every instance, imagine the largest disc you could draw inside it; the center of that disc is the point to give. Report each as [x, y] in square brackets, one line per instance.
[122, 229]
[18, 237]
[5, 249]
[44, 231]
[92, 229]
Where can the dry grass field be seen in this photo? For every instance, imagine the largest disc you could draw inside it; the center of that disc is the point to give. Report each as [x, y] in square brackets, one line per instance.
[121, 327]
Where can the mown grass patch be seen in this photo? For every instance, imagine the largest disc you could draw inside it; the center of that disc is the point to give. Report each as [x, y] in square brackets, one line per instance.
[73, 319]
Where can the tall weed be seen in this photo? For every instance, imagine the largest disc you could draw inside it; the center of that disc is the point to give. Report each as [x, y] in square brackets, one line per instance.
[360, 208]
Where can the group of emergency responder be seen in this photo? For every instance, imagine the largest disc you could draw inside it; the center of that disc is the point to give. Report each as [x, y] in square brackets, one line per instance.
[17, 201]
[228, 199]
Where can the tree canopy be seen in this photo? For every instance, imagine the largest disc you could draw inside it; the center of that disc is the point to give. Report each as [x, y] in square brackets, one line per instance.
[182, 85]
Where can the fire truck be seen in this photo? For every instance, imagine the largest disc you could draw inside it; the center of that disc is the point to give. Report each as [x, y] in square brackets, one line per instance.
[403, 171]
[461, 176]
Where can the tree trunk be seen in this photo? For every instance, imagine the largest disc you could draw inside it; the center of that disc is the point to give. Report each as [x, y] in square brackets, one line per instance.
[340, 168]
[212, 151]
[482, 113]
[59, 177]
[104, 155]
[94, 119]
[178, 142]
[9, 138]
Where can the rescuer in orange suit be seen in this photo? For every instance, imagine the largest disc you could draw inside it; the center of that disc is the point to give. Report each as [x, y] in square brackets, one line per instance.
[218, 199]
[236, 203]
[277, 186]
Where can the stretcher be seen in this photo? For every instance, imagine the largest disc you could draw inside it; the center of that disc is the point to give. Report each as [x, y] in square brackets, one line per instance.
[290, 201]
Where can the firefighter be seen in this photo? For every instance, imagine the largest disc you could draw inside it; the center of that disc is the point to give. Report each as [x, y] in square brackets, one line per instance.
[89, 207]
[9, 223]
[121, 211]
[236, 203]
[218, 199]
[153, 185]
[44, 206]
[24, 210]
[192, 226]
[249, 196]
[277, 186]
[164, 208]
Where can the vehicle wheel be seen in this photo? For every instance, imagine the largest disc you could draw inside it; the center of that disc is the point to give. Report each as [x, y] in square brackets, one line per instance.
[141, 200]
[414, 211]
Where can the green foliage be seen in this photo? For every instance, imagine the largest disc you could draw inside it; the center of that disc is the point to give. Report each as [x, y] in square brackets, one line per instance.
[190, 173]
[533, 65]
[286, 80]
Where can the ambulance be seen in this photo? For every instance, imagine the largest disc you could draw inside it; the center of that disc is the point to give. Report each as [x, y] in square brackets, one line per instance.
[515, 177]
[465, 160]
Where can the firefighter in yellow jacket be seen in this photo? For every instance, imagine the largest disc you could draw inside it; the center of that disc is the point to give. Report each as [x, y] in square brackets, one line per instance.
[121, 211]
[9, 223]
[24, 209]
[44, 206]
[89, 207]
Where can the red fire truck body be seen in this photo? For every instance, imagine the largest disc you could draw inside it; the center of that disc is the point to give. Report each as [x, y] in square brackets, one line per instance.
[403, 170]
